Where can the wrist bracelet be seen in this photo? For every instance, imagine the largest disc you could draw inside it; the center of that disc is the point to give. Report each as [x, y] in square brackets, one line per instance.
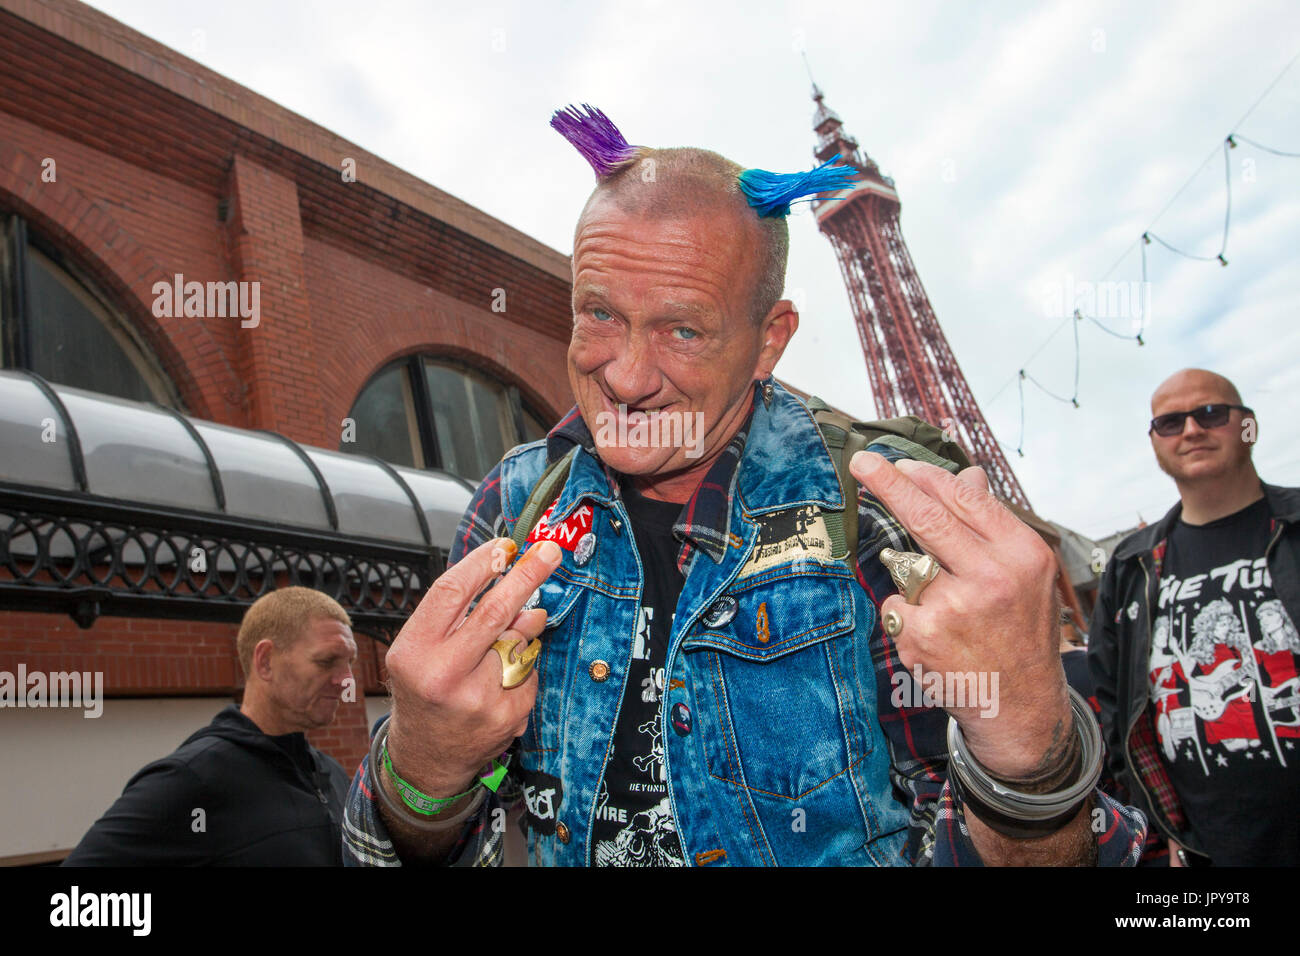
[421, 803]
[424, 804]
[1013, 812]
[424, 822]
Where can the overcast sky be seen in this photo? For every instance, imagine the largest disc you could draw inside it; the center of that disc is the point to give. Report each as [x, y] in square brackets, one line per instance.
[1031, 144]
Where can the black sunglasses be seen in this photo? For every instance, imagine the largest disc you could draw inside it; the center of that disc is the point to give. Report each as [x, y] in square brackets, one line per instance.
[1207, 416]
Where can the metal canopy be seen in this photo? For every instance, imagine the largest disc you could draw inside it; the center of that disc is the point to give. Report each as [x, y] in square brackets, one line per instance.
[116, 507]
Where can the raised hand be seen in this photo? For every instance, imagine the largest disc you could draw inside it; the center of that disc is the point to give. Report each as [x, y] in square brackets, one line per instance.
[991, 610]
[451, 714]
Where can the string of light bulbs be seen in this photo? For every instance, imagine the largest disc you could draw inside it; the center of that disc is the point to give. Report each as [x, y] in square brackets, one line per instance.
[1229, 143]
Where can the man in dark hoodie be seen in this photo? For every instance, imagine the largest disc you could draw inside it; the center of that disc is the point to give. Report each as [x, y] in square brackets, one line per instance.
[248, 790]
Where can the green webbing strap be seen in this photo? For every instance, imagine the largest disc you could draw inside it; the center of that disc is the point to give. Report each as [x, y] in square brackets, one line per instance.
[849, 485]
[544, 492]
[845, 438]
[842, 526]
[912, 450]
[835, 438]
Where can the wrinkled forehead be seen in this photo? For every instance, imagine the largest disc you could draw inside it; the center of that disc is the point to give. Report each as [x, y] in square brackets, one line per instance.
[713, 236]
[323, 633]
[693, 203]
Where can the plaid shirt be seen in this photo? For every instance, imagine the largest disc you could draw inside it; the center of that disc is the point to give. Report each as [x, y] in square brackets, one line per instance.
[916, 736]
[1144, 746]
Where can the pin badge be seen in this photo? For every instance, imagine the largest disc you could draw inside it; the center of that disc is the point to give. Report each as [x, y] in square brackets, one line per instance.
[723, 610]
[680, 718]
[585, 549]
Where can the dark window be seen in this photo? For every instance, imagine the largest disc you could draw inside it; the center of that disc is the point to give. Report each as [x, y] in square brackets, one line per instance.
[384, 420]
[53, 323]
[433, 413]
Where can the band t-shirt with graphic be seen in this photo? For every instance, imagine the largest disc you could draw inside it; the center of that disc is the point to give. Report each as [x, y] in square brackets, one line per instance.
[634, 822]
[1223, 671]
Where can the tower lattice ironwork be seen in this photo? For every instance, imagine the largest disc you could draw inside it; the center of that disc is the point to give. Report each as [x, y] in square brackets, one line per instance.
[910, 365]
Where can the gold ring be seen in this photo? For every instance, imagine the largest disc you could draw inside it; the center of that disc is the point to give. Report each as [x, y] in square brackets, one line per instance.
[893, 623]
[515, 670]
[911, 572]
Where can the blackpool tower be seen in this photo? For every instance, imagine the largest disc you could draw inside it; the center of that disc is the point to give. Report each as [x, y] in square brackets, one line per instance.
[911, 368]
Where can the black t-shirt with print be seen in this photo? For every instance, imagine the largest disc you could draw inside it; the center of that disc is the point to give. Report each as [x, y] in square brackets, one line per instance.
[634, 822]
[1224, 688]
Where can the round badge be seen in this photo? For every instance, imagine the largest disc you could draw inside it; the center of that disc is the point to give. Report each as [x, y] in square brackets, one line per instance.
[585, 549]
[680, 717]
[723, 610]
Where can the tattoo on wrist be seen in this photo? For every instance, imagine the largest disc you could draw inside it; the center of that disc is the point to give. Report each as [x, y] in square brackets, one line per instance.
[1059, 766]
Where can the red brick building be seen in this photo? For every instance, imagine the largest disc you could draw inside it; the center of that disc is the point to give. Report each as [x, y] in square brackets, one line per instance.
[383, 302]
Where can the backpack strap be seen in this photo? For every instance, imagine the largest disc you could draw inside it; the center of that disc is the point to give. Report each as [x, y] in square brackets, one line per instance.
[845, 437]
[842, 526]
[544, 492]
[917, 439]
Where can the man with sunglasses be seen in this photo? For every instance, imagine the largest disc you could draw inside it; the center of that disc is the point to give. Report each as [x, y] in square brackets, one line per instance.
[1193, 645]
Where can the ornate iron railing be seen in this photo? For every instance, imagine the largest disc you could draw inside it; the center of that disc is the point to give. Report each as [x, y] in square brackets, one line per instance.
[88, 556]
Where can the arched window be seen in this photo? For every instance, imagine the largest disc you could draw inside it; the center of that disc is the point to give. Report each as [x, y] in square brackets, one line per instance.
[54, 323]
[430, 412]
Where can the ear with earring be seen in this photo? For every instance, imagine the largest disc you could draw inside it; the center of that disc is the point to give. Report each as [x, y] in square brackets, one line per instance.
[767, 393]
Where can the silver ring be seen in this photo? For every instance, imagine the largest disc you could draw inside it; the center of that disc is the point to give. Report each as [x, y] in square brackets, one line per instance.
[911, 572]
[893, 622]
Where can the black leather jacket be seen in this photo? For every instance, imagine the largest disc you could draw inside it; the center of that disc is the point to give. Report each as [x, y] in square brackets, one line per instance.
[1119, 647]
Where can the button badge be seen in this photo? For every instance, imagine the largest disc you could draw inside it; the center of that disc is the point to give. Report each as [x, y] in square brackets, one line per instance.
[721, 613]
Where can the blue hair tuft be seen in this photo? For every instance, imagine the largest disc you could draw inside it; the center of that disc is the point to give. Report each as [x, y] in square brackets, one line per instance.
[772, 193]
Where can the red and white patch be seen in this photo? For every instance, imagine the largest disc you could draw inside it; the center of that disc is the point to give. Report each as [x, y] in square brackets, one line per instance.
[568, 532]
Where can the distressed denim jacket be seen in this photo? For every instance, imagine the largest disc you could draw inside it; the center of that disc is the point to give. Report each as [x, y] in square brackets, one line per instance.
[771, 743]
[781, 742]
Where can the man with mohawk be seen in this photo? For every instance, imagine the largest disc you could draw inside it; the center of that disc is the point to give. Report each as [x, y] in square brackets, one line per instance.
[689, 664]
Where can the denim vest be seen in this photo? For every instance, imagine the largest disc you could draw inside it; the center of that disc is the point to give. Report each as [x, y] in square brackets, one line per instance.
[776, 755]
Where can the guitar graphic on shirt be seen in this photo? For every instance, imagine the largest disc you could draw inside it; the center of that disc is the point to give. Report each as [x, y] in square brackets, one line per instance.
[1284, 696]
[1209, 692]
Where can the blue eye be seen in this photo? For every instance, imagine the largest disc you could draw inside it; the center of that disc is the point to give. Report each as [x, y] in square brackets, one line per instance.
[686, 333]
[601, 315]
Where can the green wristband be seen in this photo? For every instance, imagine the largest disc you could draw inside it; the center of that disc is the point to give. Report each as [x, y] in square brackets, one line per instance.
[422, 802]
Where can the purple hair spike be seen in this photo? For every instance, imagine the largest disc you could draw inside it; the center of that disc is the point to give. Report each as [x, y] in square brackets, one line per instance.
[594, 136]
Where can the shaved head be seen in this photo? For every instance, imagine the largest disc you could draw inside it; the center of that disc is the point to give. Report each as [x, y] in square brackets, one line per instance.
[683, 183]
[1198, 380]
[1198, 454]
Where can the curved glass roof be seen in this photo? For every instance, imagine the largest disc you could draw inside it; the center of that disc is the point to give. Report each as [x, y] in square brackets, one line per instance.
[58, 437]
